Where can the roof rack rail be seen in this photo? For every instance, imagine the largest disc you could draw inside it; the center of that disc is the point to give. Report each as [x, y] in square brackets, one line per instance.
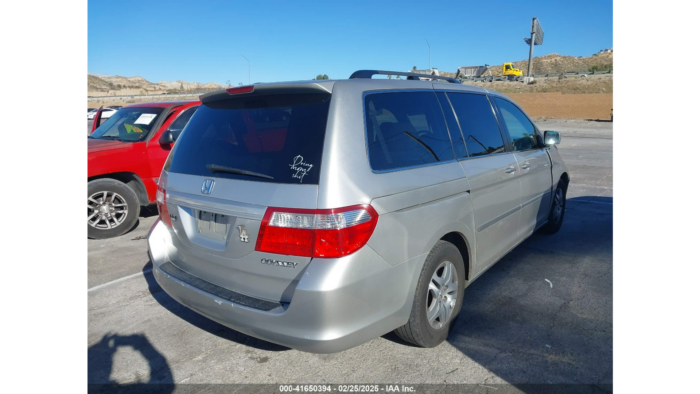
[411, 76]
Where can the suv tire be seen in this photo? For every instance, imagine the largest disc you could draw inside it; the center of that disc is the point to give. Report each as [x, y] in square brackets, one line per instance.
[113, 208]
[420, 329]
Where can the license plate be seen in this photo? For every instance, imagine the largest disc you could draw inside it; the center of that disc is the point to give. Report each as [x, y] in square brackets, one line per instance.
[213, 225]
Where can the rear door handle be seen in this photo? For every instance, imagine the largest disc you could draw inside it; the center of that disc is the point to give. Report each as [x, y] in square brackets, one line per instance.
[525, 166]
[510, 170]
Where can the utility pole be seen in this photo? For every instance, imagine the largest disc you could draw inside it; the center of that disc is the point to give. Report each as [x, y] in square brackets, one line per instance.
[249, 65]
[429, 65]
[532, 46]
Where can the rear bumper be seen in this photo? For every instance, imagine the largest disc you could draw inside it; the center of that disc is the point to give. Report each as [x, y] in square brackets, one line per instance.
[337, 303]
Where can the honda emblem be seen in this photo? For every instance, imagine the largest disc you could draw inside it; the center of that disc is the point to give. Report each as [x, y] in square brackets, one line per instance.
[207, 186]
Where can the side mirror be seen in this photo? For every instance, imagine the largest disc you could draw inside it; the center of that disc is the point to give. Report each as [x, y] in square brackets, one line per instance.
[551, 138]
[167, 138]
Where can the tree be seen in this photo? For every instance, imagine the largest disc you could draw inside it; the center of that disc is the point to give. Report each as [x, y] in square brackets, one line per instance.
[415, 68]
[320, 77]
[228, 82]
[181, 87]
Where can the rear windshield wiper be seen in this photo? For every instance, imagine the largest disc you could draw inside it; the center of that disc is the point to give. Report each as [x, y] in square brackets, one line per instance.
[230, 170]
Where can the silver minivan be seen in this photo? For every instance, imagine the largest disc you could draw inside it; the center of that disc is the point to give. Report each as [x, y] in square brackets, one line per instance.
[322, 214]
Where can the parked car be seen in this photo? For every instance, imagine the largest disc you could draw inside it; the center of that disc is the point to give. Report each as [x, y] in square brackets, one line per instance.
[125, 156]
[106, 113]
[91, 109]
[320, 215]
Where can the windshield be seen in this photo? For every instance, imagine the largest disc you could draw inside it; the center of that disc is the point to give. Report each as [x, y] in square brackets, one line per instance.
[128, 124]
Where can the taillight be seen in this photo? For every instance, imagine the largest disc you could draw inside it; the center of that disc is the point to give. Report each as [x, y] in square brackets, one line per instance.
[326, 233]
[240, 89]
[161, 196]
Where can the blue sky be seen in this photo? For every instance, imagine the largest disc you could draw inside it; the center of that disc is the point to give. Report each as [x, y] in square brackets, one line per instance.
[201, 41]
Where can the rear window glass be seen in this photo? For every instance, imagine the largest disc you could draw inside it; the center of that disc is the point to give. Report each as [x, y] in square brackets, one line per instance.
[277, 138]
[405, 129]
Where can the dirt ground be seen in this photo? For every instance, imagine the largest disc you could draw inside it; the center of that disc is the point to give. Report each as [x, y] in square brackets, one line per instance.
[565, 106]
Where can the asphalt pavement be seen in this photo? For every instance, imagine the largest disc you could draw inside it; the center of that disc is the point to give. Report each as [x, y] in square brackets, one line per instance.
[542, 315]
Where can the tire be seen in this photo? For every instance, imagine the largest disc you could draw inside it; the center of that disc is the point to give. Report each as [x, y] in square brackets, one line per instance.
[116, 217]
[420, 330]
[556, 213]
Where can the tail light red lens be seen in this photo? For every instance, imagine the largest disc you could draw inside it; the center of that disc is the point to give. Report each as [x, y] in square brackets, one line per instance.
[326, 233]
[161, 197]
[240, 89]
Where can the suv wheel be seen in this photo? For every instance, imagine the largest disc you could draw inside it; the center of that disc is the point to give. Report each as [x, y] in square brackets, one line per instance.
[438, 298]
[556, 215]
[112, 208]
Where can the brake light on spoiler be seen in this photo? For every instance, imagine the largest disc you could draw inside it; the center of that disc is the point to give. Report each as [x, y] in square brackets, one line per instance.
[241, 89]
[326, 233]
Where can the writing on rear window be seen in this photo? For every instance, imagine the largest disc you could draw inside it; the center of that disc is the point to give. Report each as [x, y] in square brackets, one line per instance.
[300, 168]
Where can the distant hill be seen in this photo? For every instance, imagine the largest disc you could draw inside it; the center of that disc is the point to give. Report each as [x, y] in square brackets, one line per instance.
[103, 85]
[553, 63]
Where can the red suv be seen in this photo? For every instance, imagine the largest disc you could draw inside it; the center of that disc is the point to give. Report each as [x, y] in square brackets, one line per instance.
[125, 156]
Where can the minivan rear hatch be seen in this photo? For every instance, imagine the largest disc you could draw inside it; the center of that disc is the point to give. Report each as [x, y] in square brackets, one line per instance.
[243, 151]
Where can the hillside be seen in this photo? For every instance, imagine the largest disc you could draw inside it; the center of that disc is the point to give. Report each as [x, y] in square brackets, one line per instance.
[554, 63]
[103, 85]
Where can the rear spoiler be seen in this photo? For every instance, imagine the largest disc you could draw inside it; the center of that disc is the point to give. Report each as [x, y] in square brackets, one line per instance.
[324, 87]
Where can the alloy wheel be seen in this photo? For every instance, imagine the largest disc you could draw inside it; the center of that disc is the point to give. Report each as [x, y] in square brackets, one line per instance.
[442, 294]
[106, 210]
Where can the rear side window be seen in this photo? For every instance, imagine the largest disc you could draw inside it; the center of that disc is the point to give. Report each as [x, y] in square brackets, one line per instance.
[276, 138]
[520, 130]
[179, 124]
[478, 124]
[405, 129]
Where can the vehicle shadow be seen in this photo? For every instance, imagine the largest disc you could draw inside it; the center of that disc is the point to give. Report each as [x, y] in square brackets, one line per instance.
[543, 314]
[144, 212]
[101, 360]
[200, 321]
[148, 211]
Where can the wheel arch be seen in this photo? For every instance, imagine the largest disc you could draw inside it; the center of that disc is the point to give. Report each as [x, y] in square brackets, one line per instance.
[460, 241]
[565, 177]
[130, 179]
